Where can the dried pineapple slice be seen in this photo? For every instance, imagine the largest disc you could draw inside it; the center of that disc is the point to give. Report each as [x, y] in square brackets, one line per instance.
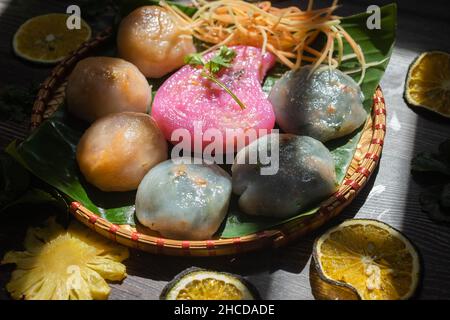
[62, 265]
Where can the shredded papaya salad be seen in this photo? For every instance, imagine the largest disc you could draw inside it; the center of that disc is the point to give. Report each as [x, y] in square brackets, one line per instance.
[288, 33]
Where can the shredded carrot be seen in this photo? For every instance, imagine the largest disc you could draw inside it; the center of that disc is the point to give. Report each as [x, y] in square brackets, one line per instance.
[288, 33]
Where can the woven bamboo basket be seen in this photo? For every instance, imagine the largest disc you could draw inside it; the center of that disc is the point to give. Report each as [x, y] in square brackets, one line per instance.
[365, 160]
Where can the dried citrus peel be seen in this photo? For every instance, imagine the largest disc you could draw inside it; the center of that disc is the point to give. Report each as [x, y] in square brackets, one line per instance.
[200, 284]
[47, 39]
[428, 82]
[372, 258]
[60, 264]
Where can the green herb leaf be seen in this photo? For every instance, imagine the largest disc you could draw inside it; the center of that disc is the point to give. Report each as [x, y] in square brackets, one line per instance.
[194, 59]
[222, 60]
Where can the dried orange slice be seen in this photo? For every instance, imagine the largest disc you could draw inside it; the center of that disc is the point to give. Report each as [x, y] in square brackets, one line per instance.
[47, 39]
[428, 82]
[200, 284]
[371, 258]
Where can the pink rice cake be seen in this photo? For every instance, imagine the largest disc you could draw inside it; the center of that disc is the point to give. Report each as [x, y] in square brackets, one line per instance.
[187, 98]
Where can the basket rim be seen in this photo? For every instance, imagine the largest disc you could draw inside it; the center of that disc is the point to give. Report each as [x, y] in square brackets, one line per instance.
[274, 237]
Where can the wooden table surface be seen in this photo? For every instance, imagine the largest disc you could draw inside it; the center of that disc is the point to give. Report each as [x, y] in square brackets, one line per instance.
[391, 195]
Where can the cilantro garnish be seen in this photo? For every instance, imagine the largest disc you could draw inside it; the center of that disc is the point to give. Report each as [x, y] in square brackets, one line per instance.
[221, 60]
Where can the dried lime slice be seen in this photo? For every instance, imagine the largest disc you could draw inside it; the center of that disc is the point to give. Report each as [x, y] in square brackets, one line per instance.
[428, 82]
[373, 259]
[200, 284]
[47, 39]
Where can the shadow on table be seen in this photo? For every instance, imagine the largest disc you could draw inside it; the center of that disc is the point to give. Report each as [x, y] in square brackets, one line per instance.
[432, 239]
[417, 34]
[417, 130]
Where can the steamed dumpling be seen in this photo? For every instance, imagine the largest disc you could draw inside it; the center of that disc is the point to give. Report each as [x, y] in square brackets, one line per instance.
[102, 85]
[305, 177]
[154, 40]
[184, 201]
[116, 152]
[326, 105]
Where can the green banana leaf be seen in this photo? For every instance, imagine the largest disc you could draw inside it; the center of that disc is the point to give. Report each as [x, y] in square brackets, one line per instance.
[50, 151]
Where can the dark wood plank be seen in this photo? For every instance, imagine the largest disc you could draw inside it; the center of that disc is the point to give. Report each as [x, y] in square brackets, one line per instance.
[284, 273]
